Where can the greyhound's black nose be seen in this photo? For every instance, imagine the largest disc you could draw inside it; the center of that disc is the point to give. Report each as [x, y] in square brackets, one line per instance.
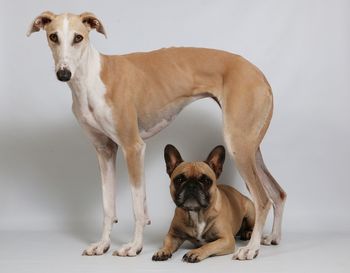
[63, 74]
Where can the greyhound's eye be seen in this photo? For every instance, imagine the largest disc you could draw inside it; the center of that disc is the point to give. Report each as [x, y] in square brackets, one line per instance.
[54, 38]
[77, 38]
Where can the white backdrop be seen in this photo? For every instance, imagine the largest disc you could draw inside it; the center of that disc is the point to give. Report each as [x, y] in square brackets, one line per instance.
[48, 171]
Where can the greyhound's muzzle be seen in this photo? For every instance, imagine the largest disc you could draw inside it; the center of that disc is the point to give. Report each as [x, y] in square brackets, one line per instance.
[63, 74]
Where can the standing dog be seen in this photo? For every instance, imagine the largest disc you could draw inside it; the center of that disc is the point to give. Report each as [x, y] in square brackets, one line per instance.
[207, 214]
[121, 100]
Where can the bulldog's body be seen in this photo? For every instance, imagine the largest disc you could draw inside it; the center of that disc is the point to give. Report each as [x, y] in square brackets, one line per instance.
[231, 214]
[207, 214]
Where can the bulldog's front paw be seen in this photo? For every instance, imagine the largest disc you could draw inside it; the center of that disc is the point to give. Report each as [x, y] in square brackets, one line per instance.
[98, 248]
[162, 255]
[193, 256]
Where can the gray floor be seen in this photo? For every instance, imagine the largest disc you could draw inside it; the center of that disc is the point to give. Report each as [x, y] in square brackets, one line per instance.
[58, 251]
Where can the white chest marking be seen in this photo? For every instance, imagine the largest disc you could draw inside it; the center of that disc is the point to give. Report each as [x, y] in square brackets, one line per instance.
[199, 225]
[88, 91]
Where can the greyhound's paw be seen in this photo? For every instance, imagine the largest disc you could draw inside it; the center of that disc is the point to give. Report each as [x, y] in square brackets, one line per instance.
[161, 255]
[270, 239]
[98, 248]
[129, 250]
[193, 256]
[246, 253]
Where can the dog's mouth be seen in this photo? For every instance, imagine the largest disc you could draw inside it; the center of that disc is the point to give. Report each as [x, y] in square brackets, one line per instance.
[192, 203]
[192, 197]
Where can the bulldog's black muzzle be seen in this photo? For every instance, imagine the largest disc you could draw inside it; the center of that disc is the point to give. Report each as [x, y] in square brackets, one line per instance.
[192, 196]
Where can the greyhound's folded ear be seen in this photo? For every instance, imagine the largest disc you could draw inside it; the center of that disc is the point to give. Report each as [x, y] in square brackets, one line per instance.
[92, 22]
[40, 22]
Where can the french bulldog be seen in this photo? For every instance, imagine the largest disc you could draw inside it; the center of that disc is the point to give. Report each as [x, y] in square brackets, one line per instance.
[207, 214]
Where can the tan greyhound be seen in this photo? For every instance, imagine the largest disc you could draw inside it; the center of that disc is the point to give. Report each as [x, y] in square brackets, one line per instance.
[121, 100]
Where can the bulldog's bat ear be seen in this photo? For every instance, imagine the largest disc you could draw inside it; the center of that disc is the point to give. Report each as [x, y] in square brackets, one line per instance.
[172, 158]
[92, 22]
[41, 21]
[216, 159]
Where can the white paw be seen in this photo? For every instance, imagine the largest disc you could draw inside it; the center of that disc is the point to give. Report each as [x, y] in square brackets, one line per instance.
[246, 253]
[270, 239]
[98, 248]
[130, 250]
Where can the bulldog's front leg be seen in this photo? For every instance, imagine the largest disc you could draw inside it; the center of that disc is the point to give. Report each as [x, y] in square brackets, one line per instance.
[170, 245]
[221, 246]
[134, 155]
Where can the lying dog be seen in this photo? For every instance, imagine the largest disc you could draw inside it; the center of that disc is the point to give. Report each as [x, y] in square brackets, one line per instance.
[207, 214]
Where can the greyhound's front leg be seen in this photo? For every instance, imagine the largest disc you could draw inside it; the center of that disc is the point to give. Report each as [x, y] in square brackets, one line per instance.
[134, 156]
[106, 154]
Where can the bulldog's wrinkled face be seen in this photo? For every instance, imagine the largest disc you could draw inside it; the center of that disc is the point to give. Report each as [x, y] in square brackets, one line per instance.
[193, 183]
[68, 38]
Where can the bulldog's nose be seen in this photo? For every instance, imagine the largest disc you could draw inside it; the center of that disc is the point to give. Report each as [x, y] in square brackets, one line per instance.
[191, 186]
[63, 74]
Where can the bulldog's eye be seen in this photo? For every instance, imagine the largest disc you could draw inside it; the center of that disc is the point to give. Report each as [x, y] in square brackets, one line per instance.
[77, 38]
[179, 179]
[54, 38]
[205, 180]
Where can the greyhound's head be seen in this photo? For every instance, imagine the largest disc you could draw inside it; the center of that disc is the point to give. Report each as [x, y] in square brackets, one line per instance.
[68, 38]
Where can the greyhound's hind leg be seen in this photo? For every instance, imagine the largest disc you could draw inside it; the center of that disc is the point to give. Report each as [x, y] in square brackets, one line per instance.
[246, 115]
[278, 197]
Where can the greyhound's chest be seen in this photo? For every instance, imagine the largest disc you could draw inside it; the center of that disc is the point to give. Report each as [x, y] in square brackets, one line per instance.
[91, 108]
